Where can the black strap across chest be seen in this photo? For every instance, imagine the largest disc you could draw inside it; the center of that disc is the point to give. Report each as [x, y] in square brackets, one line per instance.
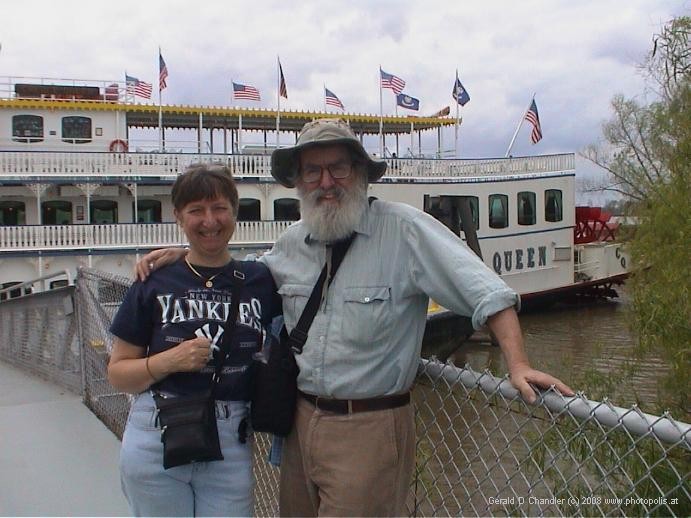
[298, 336]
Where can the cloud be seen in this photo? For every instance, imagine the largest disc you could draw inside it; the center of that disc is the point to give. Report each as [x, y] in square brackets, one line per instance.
[574, 55]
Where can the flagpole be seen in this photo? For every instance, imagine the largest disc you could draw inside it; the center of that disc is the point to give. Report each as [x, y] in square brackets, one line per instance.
[324, 85]
[455, 142]
[381, 117]
[520, 123]
[278, 96]
[160, 109]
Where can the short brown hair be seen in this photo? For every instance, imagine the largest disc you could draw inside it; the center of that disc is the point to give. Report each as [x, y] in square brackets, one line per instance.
[203, 182]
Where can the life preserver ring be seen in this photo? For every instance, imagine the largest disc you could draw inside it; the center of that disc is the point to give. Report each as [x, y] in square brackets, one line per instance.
[118, 146]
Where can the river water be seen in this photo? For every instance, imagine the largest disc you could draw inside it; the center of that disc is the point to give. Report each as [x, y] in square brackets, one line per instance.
[568, 339]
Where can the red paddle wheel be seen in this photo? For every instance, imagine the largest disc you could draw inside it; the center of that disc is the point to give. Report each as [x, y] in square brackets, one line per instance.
[592, 224]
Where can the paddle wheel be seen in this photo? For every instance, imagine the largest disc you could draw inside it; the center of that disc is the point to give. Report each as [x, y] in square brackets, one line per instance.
[592, 224]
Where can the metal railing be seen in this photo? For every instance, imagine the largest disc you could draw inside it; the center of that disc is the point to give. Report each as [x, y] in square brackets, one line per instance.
[481, 451]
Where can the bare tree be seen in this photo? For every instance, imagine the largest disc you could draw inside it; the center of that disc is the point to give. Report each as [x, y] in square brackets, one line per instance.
[638, 140]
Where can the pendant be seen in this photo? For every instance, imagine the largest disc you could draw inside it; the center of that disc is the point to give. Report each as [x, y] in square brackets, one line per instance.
[209, 284]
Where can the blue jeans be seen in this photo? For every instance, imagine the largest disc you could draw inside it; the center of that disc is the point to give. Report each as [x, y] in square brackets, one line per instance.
[219, 488]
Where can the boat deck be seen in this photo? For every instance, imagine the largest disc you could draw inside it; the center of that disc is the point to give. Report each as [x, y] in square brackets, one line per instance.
[56, 457]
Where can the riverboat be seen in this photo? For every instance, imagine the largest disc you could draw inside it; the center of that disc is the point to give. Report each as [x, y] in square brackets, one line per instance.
[79, 185]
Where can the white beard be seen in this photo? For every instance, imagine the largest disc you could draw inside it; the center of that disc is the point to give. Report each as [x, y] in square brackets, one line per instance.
[333, 221]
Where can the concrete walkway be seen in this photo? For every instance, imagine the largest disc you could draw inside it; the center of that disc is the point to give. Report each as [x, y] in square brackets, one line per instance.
[56, 457]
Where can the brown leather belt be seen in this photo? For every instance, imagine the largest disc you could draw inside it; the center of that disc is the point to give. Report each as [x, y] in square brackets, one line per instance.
[351, 406]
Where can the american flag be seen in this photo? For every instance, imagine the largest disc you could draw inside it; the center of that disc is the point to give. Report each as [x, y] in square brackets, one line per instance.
[331, 99]
[282, 90]
[246, 92]
[137, 87]
[162, 72]
[391, 81]
[532, 117]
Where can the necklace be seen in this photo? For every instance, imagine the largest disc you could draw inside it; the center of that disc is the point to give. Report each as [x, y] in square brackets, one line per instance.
[209, 282]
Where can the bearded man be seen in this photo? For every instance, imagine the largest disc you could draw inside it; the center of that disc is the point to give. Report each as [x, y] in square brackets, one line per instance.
[351, 451]
[352, 448]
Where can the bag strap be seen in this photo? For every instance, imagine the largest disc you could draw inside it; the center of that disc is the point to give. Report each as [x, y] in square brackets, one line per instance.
[298, 336]
[238, 281]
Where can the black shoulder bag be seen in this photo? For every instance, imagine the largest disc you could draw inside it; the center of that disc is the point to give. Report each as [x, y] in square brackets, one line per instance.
[274, 393]
[189, 431]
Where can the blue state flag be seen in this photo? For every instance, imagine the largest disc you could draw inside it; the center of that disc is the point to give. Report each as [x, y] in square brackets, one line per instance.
[459, 93]
[408, 102]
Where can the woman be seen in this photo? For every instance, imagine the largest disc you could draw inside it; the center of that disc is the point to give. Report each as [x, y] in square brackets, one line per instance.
[166, 333]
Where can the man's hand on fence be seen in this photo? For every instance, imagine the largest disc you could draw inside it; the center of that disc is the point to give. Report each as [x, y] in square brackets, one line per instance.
[522, 376]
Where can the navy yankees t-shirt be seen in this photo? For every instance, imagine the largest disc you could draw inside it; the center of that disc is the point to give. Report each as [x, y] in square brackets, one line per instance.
[174, 305]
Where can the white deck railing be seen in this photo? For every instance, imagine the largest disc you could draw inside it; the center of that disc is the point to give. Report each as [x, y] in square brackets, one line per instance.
[121, 236]
[87, 165]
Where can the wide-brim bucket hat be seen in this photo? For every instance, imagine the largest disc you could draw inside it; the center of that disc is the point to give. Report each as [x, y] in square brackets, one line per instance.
[321, 132]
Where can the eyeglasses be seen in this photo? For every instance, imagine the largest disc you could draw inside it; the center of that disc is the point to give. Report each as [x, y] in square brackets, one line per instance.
[338, 171]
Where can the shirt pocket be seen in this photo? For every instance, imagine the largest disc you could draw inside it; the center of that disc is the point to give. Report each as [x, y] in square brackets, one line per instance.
[367, 312]
[295, 297]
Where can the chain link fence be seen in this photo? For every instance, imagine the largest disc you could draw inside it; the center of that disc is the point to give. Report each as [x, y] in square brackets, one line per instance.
[481, 451]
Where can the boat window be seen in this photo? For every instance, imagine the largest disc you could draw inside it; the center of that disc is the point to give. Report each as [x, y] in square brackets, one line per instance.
[27, 128]
[526, 208]
[13, 293]
[76, 129]
[61, 283]
[286, 209]
[12, 213]
[148, 211]
[250, 210]
[104, 212]
[56, 212]
[498, 210]
[474, 209]
[554, 209]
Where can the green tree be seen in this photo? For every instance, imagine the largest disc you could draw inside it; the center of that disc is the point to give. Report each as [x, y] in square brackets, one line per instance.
[648, 156]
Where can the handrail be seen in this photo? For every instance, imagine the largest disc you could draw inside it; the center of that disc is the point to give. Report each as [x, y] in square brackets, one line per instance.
[23, 285]
[94, 166]
[118, 236]
[633, 420]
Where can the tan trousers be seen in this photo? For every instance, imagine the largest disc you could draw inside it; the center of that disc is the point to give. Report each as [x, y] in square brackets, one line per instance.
[347, 465]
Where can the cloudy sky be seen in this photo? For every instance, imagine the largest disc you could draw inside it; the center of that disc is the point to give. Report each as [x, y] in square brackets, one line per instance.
[574, 55]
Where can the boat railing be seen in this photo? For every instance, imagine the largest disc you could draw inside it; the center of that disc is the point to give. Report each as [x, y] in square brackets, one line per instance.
[53, 280]
[93, 165]
[481, 450]
[62, 89]
[27, 238]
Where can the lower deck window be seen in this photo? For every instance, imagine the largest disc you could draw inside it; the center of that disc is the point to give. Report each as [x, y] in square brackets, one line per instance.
[526, 208]
[498, 210]
[56, 212]
[12, 213]
[104, 212]
[250, 210]
[287, 209]
[148, 211]
[554, 208]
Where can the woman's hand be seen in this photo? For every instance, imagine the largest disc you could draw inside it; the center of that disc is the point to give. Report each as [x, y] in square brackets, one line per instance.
[157, 259]
[188, 356]
[130, 371]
